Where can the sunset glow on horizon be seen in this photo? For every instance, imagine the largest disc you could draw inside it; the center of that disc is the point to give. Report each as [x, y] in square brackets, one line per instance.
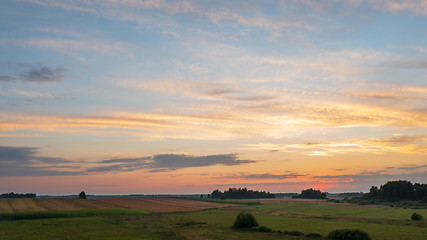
[159, 96]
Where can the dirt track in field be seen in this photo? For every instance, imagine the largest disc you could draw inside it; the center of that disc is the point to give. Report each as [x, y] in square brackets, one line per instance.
[150, 204]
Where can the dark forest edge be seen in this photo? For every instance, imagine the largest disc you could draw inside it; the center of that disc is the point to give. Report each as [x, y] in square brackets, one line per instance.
[18, 195]
[240, 193]
[399, 193]
[311, 194]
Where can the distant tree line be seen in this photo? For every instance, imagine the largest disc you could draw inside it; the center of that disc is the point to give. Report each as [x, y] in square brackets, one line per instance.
[285, 195]
[311, 194]
[394, 191]
[18, 195]
[240, 193]
[350, 194]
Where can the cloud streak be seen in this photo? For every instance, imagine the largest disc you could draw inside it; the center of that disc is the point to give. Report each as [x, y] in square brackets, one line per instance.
[131, 11]
[24, 161]
[38, 75]
[167, 163]
[288, 175]
[408, 144]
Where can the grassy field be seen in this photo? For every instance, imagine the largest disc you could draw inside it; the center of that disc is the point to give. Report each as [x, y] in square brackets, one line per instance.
[380, 222]
[340, 210]
[240, 202]
[70, 213]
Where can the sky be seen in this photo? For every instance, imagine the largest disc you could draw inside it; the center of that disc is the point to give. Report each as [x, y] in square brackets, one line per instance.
[159, 96]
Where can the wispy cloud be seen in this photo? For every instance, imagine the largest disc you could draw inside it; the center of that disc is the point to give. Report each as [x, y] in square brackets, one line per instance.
[286, 175]
[415, 6]
[39, 75]
[378, 177]
[69, 45]
[61, 4]
[269, 114]
[131, 11]
[204, 90]
[408, 144]
[33, 94]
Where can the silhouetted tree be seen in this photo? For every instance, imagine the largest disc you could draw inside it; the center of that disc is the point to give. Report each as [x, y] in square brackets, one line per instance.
[82, 195]
[216, 194]
[374, 193]
[311, 194]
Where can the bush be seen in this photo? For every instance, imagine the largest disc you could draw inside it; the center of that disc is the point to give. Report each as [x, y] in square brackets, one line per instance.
[264, 229]
[416, 216]
[245, 220]
[348, 234]
[314, 235]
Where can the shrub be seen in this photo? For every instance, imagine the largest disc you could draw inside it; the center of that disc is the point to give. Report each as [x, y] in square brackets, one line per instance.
[348, 234]
[245, 220]
[416, 216]
[264, 229]
[314, 235]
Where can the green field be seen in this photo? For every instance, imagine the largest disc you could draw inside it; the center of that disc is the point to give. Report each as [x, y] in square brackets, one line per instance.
[380, 222]
[221, 200]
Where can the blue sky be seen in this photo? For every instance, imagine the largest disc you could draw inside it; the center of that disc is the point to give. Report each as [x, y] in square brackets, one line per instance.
[190, 96]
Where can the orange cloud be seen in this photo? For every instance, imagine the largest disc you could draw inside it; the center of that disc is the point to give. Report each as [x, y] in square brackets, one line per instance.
[399, 144]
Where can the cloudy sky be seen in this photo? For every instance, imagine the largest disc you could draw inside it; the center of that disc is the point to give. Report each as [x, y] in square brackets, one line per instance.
[161, 96]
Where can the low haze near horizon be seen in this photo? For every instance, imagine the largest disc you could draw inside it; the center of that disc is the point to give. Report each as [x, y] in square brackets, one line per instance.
[157, 96]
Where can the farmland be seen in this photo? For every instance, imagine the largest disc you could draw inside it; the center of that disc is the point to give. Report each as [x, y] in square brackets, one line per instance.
[175, 218]
[151, 204]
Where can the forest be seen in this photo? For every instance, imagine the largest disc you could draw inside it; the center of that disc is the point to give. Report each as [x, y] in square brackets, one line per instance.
[240, 193]
[18, 195]
[394, 191]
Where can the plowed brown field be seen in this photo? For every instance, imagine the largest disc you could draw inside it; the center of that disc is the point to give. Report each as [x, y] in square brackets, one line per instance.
[150, 204]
